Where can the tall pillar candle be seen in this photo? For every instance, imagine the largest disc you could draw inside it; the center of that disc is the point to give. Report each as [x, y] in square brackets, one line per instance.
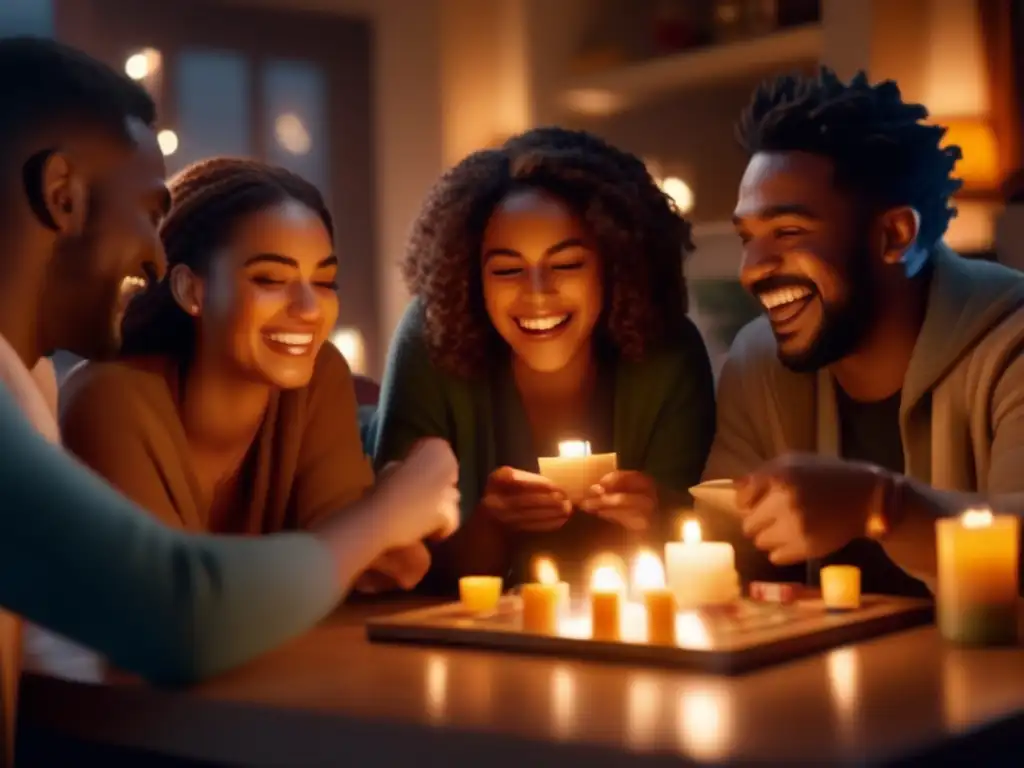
[659, 601]
[544, 600]
[978, 562]
[606, 591]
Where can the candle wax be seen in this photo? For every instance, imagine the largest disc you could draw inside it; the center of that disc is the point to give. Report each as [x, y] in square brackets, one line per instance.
[575, 475]
[976, 600]
[840, 587]
[701, 573]
[541, 605]
[661, 616]
[480, 594]
[605, 615]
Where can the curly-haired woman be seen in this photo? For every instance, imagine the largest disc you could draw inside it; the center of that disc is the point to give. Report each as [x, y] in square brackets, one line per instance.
[549, 301]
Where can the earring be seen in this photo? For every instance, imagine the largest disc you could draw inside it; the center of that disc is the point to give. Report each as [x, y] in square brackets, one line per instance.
[195, 309]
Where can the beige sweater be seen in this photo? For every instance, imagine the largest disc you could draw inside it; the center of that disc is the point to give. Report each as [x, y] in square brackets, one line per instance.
[962, 408]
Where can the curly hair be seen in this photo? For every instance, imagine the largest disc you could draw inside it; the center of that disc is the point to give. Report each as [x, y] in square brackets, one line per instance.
[881, 150]
[641, 239]
[208, 200]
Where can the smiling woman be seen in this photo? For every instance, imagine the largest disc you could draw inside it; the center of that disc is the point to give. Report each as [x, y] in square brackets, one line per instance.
[226, 411]
[550, 304]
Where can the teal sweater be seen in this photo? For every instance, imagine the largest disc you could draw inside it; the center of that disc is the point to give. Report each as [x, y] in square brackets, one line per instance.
[658, 417]
[78, 558]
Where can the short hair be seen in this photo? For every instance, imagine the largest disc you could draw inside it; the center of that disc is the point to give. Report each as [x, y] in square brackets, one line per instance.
[641, 239]
[45, 83]
[208, 200]
[881, 149]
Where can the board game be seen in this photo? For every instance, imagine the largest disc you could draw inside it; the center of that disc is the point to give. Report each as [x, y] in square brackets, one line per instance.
[743, 636]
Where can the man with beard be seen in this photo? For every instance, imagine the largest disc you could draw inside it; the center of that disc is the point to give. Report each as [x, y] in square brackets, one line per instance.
[879, 345]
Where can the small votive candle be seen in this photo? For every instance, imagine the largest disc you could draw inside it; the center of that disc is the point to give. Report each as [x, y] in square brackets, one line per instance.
[606, 588]
[575, 470]
[659, 601]
[840, 587]
[480, 594]
[544, 600]
[978, 567]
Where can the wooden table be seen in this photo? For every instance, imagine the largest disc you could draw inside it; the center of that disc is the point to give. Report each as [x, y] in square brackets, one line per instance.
[332, 698]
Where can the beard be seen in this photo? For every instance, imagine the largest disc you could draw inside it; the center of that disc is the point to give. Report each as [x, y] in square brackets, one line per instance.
[844, 322]
[81, 300]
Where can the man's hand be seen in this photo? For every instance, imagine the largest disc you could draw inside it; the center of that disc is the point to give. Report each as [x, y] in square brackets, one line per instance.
[800, 506]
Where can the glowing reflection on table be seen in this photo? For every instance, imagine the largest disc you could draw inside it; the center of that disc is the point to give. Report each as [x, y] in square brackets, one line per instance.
[437, 688]
[704, 720]
[563, 702]
[643, 710]
[844, 681]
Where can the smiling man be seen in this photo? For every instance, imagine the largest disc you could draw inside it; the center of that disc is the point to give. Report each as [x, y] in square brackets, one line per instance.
[878, 344]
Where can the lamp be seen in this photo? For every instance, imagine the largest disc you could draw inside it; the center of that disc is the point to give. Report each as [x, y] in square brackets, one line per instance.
[979, 167]
[349, 342]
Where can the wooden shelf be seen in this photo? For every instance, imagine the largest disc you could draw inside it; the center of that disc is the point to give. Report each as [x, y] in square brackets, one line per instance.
[613, 90]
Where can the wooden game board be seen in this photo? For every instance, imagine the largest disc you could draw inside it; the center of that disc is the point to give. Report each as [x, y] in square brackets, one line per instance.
[749, 636]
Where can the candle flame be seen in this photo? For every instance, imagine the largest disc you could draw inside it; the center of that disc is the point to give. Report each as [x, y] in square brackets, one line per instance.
[573, 449]
[648, 572]
[976, 518]
[691, 532]
[546, 571]
[606, 578]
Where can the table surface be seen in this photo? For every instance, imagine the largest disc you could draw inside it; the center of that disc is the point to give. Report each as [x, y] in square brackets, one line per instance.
[332, 692]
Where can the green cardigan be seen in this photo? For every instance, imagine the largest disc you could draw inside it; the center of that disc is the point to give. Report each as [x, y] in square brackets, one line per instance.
[662, 420]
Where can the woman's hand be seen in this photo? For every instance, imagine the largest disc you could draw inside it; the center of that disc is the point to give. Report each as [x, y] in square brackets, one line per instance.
[626, 497]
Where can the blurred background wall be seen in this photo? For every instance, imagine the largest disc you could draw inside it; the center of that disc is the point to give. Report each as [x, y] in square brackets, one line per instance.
[372, 99]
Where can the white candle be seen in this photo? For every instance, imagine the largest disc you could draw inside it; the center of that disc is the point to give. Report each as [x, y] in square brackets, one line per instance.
[575, 470]
[978, 560]
[701, 572]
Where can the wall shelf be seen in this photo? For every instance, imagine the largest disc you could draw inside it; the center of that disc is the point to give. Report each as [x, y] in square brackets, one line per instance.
[613, 90]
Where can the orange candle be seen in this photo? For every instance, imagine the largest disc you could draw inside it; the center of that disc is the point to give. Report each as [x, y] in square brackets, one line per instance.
[606, 588]
[978, 563]
[840, 587]
[480, 594]
[659, 601]
[544, 599]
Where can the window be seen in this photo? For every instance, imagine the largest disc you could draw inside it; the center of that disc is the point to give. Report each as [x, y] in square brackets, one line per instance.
[26, 17]
[295, 117]
[213, 106]
[719, 305]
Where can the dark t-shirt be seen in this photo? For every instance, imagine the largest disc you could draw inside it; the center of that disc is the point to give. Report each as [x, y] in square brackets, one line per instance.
[871, 432]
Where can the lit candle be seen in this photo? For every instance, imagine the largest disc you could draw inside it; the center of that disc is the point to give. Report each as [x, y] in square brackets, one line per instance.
[606, 588]
[701, 572]
[659, 601]
[575, 470]
[977, 587]
[480, 594]
[544, 599]
[840, 587]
